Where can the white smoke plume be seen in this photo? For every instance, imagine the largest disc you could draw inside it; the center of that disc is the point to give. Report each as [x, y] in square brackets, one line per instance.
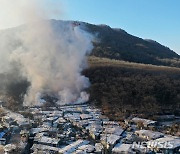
[50, 54]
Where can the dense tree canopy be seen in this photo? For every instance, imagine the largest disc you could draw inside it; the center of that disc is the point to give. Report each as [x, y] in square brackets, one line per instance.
[121, 89]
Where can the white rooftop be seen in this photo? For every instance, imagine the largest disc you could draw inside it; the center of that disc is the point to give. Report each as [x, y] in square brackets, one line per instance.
[149, 134]
[86, 116]
[116, 130]
[110, 139]
[44, 147]
[167, 140]
[144, 121]
[73, 147]
[87, 148]
[122, 148]
[46, 140]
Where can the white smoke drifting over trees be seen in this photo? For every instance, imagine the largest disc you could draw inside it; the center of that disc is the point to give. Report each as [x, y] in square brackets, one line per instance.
[49, 54]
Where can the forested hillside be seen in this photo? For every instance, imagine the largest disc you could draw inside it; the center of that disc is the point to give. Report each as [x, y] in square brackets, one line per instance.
[118, 44]
[122, 88]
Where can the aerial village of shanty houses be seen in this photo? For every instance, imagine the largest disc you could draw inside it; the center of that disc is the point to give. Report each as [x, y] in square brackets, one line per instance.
[80, 129]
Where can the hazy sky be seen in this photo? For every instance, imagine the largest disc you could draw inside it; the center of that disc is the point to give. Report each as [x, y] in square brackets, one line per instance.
[153, 19]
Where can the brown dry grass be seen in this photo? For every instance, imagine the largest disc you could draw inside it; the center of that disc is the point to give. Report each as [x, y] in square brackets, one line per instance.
[96, 61]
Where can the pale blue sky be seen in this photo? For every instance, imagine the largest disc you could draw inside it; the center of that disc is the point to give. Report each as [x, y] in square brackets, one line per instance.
[152, 19]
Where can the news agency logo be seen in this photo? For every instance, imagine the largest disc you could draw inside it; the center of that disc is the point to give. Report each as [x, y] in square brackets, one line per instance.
[152, 145]
[160, 145]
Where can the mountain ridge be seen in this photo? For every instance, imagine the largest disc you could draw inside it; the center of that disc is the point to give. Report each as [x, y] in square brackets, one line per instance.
[116, 43]
[120, 45]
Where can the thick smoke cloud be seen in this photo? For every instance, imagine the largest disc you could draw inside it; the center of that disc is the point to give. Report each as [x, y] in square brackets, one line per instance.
[49, 54]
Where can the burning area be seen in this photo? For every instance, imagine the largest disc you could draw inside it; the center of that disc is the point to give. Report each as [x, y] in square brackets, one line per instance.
[43, 57]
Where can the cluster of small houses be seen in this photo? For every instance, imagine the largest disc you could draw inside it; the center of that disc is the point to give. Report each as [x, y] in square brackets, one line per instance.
[79, 129]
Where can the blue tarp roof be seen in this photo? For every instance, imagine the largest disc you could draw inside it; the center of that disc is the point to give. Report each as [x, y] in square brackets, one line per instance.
[2, 134]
